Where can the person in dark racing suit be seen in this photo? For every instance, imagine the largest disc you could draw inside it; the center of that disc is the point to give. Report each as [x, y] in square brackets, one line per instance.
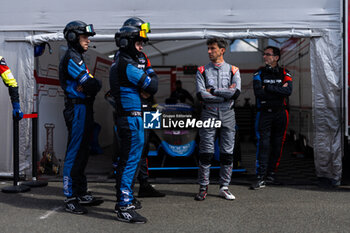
[128, 83]
[272, 86]
[80, 89]
[11, 83]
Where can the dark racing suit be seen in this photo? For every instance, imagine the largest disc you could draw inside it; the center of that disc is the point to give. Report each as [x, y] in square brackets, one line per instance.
[272, 116]
[78, 114]
[127, 81]
[218, 104]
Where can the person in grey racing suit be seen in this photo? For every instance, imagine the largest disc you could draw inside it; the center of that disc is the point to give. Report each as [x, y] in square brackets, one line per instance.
[218, 85]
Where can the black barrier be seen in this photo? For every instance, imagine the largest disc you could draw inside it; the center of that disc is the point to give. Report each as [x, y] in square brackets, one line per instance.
[34, 182]
[16, 188]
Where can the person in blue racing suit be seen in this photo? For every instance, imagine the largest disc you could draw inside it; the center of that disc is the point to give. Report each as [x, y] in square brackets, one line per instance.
[128, 83]
[146, 189]
[80, 89]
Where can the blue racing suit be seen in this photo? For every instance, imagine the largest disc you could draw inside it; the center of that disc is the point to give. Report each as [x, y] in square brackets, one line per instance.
[127, 80]
[142, 170]
[80, 89]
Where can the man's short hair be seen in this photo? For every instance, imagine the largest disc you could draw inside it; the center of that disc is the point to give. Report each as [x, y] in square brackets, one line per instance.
[221, 42]
[276, 51]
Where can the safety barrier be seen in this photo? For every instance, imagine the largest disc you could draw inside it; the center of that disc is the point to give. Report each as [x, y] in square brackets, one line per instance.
[25, 186]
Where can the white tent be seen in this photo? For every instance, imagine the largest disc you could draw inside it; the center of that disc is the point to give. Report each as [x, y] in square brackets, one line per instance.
[24, 22]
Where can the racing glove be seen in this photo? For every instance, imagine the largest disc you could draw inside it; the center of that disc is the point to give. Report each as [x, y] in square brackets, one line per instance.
[17, 113]
[149, 71]
[91, 86]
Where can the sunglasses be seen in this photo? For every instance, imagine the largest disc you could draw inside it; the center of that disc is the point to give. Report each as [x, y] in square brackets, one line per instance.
[268, 54]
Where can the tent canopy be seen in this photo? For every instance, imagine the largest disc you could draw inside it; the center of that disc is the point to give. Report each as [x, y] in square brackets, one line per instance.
[109, 15]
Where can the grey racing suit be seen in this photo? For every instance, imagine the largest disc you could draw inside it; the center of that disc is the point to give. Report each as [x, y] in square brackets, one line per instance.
[217, 87]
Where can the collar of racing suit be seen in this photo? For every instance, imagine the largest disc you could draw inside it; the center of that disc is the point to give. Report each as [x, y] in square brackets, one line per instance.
[273, 70]
[77, 47]
[74, 49]
[217, 65]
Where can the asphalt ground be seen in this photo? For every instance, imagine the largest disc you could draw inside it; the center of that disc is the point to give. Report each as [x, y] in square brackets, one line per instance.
[273, 209]
[298, 205]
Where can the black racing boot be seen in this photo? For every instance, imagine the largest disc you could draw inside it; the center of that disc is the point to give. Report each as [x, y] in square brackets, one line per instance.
[271, 179]
[73, 206]
[147, 190]
[259, 183]
[89, 199]
[128, 214]
[202, 194]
